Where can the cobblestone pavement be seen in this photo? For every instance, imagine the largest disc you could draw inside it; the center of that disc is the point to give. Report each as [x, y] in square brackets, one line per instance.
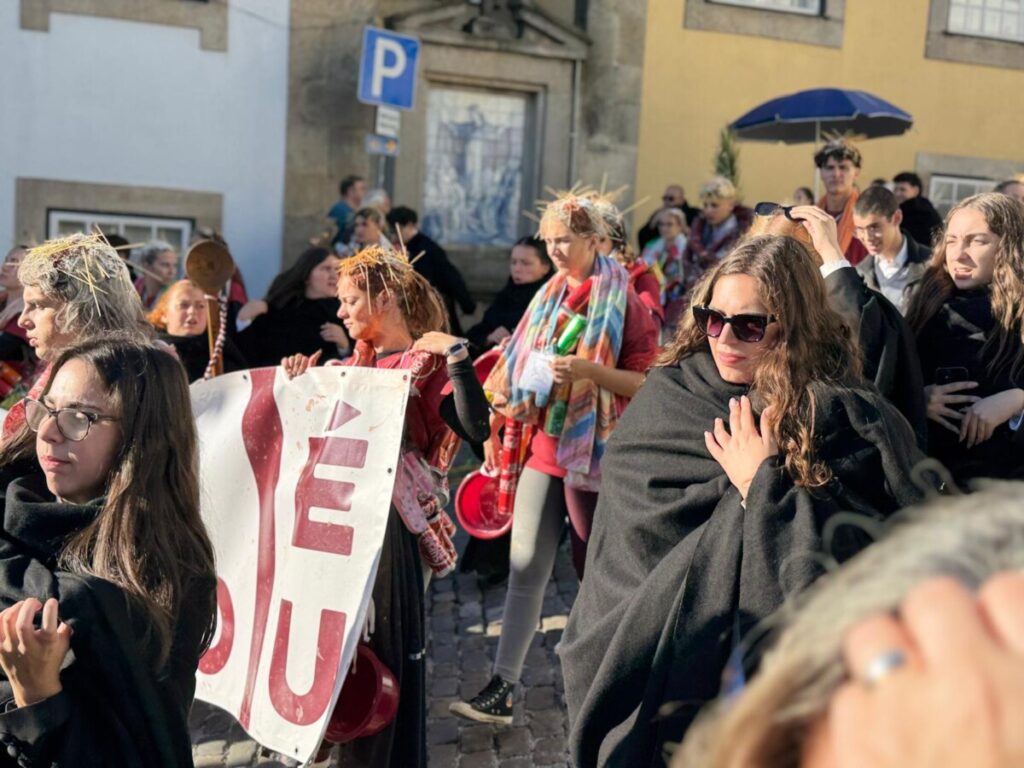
[464, 619]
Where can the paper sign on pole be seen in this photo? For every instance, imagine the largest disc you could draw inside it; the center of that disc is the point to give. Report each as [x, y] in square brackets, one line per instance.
[296, 481]
[389, 122]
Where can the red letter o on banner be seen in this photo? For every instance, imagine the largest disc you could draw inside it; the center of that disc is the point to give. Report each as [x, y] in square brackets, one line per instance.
[216, 657]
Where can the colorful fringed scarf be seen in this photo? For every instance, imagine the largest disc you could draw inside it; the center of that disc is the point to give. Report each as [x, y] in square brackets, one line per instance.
[592, 412]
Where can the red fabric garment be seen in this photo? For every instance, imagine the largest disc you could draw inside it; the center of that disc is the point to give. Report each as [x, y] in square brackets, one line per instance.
[16, 416]
[423, 422]
[16, 330]
[649, 292]
[639, 348]
[852, 248]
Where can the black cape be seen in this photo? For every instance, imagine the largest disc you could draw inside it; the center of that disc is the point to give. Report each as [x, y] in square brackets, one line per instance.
[886, 342]
[284, 331]
[113, 709]
[506, 310]
[194, 354]
[677, 568]
[955, 338]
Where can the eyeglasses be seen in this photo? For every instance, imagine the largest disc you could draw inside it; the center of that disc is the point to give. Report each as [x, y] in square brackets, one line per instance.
[770, 209]
[748, 328]
[73, 423]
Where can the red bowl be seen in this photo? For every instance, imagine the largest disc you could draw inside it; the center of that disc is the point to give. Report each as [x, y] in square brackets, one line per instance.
[476, 507]
[368, 700]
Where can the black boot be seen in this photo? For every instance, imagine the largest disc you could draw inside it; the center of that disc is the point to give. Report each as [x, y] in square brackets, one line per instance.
[492, 705]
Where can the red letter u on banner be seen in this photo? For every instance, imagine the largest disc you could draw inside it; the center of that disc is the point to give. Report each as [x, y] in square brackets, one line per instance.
[303, 709]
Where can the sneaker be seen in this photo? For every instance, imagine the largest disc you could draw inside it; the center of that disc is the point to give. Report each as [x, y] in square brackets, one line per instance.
[492, 705]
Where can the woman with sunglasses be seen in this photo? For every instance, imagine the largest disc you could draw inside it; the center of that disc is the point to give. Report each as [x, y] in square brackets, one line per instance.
[728, 475]
[107, 583]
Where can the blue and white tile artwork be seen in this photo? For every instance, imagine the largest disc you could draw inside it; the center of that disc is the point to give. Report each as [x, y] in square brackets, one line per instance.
[473, 189]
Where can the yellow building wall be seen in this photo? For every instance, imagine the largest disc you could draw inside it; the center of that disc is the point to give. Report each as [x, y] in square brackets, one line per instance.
[695, 82]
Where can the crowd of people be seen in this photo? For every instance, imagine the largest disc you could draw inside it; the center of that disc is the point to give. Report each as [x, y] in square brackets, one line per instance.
[727, 420]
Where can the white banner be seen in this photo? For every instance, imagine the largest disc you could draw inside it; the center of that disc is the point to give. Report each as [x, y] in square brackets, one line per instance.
[296, 480]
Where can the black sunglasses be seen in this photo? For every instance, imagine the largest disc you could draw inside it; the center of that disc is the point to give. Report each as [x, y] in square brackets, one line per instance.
[748, 328]
[770, 209]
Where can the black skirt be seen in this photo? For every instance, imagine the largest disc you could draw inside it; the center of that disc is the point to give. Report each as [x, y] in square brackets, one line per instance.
[399, 641]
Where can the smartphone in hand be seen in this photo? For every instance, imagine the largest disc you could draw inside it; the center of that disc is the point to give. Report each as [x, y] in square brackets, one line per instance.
[951, 375]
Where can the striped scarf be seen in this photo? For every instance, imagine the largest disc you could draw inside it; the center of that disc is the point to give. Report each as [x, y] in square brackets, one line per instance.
[592, 412]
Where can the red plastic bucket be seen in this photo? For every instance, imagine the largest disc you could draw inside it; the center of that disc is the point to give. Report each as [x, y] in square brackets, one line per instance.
[368, 700]
[476, 507]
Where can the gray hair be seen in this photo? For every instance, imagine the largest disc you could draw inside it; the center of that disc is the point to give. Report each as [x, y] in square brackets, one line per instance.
[969, 538]
[147, 254]
[92, 284]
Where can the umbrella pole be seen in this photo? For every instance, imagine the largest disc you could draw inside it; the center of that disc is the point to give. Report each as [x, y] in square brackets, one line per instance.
[817, 171]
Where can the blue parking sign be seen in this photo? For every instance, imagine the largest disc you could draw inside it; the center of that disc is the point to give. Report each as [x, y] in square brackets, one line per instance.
[387, 68]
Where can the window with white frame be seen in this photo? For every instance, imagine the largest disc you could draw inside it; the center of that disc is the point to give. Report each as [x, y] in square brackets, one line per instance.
[998, 19]
[808, 7]
[135, 229]
[947, 191]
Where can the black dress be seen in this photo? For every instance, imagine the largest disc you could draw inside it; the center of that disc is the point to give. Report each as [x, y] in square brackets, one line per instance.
[194, 354]
[284, 331]
[677, 567]
[506, 311]
[954, 338]
[113, 709]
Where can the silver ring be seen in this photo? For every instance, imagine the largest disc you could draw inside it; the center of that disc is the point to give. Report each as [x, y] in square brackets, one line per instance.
[883, 665]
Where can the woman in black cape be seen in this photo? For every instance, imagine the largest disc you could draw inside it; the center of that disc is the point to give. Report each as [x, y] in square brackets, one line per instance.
[101, 533]
[968, 317]
[298, 316]
[701, 530]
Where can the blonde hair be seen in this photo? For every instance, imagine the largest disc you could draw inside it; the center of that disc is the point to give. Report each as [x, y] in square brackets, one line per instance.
[577, 213]
[967, 537]
[718, 188]
[92, 284]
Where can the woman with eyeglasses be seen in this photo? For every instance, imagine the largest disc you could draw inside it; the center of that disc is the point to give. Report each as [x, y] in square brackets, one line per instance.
[107, 583]
[754, 438]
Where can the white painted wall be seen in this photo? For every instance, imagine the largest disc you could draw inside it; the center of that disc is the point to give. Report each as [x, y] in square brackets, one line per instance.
[115, 102]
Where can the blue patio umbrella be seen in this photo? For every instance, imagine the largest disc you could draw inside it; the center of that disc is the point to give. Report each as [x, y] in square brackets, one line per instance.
[802, 117]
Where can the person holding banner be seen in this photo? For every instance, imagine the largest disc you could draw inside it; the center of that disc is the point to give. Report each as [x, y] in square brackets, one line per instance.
[569, 393]
[107, 583]
[397, 321]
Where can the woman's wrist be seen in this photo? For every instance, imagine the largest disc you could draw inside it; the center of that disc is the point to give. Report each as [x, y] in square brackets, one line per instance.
[26, 697]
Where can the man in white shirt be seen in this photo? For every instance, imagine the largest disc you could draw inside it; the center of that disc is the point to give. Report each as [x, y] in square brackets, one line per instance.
[895, 261]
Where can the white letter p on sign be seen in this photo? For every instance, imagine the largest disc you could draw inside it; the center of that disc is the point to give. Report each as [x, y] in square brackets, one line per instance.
[381, 68]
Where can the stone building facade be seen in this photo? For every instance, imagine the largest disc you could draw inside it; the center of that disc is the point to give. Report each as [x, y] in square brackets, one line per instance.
[513, 99]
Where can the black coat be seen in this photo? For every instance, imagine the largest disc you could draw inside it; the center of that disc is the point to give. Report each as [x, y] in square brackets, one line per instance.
[920, 219]
[433, 264]
[954, 338]
[887, 343]
[284, 331]
[194, 354]
[917, 261]
[676, 567]
[506, 311]
[113, 709]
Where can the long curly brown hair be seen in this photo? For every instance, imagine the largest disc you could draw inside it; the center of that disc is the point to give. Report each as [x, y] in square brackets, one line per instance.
[389, 273]
[814, 345]
[1004, 347]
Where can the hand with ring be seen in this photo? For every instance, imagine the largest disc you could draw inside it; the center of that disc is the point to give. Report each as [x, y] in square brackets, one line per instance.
[941, 683]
